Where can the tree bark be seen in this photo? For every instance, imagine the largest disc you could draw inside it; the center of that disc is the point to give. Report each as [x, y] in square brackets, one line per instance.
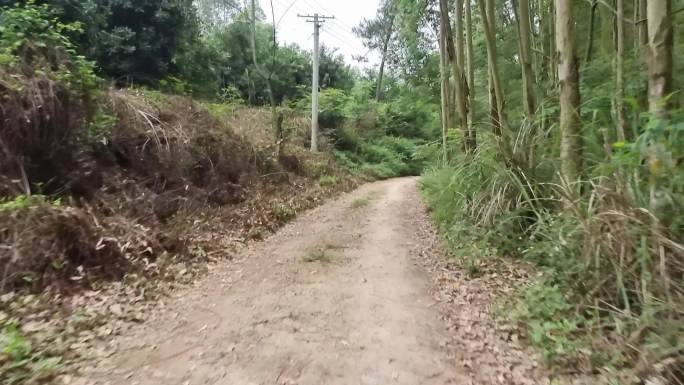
[381, 72]
[457, 71]
[592, 23]
[496, 94]
[446, 108]
[522, 14]
[643, 23]
[253, 33]
[553, 71]
[470, 56]
[620, 71]
[568, 78]
[462, 89]
[660, 43]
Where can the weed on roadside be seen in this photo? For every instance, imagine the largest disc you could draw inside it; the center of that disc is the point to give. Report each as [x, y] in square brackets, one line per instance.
[328, 180]
[19, 361]
[319, 254]
[282, 212]
[361, 202]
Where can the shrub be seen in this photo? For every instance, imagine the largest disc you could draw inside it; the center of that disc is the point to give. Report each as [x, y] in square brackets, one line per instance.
[332, 103]
[608, 248]
[282, 212]
[46, 91]
[383, 157]
[22, 363]
[328, 180]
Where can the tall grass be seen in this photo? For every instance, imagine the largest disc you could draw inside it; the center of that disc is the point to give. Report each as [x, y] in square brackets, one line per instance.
[610, 246]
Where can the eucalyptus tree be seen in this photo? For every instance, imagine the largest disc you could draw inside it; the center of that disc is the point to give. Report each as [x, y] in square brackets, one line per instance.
[376, 34]
[568, 78]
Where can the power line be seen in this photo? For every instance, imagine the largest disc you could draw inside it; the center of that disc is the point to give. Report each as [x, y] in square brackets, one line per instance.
[341, 27]
[340, 39]
[321, 7]
[331, 22]
[286, 11]
[334, 31]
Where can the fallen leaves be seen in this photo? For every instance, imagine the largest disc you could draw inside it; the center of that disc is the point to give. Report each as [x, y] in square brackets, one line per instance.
[489, 354]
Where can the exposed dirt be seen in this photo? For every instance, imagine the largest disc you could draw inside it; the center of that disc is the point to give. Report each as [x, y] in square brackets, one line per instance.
[351, 292]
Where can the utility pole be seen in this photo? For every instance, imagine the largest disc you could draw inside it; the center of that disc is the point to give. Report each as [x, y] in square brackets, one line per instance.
[317, 21]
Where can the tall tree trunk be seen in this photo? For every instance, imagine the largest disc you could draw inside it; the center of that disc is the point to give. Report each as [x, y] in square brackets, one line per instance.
[496, 93]
[462, 89]
[568, 77]
[470, 56]
[606, 32]
[660, 43]
[260, 71]
[385, 44]
[253, 34]
[620, 71]
[643, 23]
[551, 17]
[546, 42]
[592, 23]
[522, 14]
[457, 71]
[446, 108]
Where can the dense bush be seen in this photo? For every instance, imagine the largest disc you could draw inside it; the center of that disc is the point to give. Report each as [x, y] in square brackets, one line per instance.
[601, 250]
[46, 91]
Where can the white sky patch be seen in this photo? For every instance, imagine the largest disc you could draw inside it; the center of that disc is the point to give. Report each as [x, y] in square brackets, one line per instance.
[335, 33]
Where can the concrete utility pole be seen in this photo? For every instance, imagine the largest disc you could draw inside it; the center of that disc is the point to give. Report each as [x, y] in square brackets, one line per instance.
[317, 21]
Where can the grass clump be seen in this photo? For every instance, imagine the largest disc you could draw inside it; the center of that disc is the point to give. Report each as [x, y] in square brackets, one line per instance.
[609, 249]
[319, 254]
[283, 212]
[26, 201]
[383, 157]
[361, 202]
[328, 180]
[20, 363]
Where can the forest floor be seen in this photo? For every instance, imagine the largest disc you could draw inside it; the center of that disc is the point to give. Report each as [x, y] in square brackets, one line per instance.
[355, 291]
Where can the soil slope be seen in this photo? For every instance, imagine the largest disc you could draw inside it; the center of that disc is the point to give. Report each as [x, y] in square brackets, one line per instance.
[339, 296]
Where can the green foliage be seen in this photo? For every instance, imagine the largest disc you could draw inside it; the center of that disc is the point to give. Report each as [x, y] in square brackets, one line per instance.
[138, 40]
[333, 71]
[283, 212]
[22, 363]
[598, 250]
[332, 112]
[230, 95]
[101, 124]
[25, 201]
[14, 345]
[328, 180]
[552, 326]
[360, 202]
[31, 37]
[220, 111]
[318, 254]
[383, 157]
[174, 85]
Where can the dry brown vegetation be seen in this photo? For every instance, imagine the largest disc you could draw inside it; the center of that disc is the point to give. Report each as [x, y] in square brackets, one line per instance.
[98, 221]
[165, 173]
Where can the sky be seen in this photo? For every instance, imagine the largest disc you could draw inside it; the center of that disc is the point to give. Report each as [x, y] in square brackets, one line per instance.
[335, 33]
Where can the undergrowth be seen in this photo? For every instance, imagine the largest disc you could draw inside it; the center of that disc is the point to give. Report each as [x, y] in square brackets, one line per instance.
[383, 157]
[23, 364]
[610, 249]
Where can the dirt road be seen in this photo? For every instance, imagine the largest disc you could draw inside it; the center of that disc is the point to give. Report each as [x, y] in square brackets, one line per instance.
[336, 297]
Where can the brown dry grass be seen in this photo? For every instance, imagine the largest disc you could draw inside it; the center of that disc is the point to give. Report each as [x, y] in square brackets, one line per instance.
[169, 179]
[40, 122]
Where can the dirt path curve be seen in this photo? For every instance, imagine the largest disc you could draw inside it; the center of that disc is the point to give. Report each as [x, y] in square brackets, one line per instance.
[336, 297]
